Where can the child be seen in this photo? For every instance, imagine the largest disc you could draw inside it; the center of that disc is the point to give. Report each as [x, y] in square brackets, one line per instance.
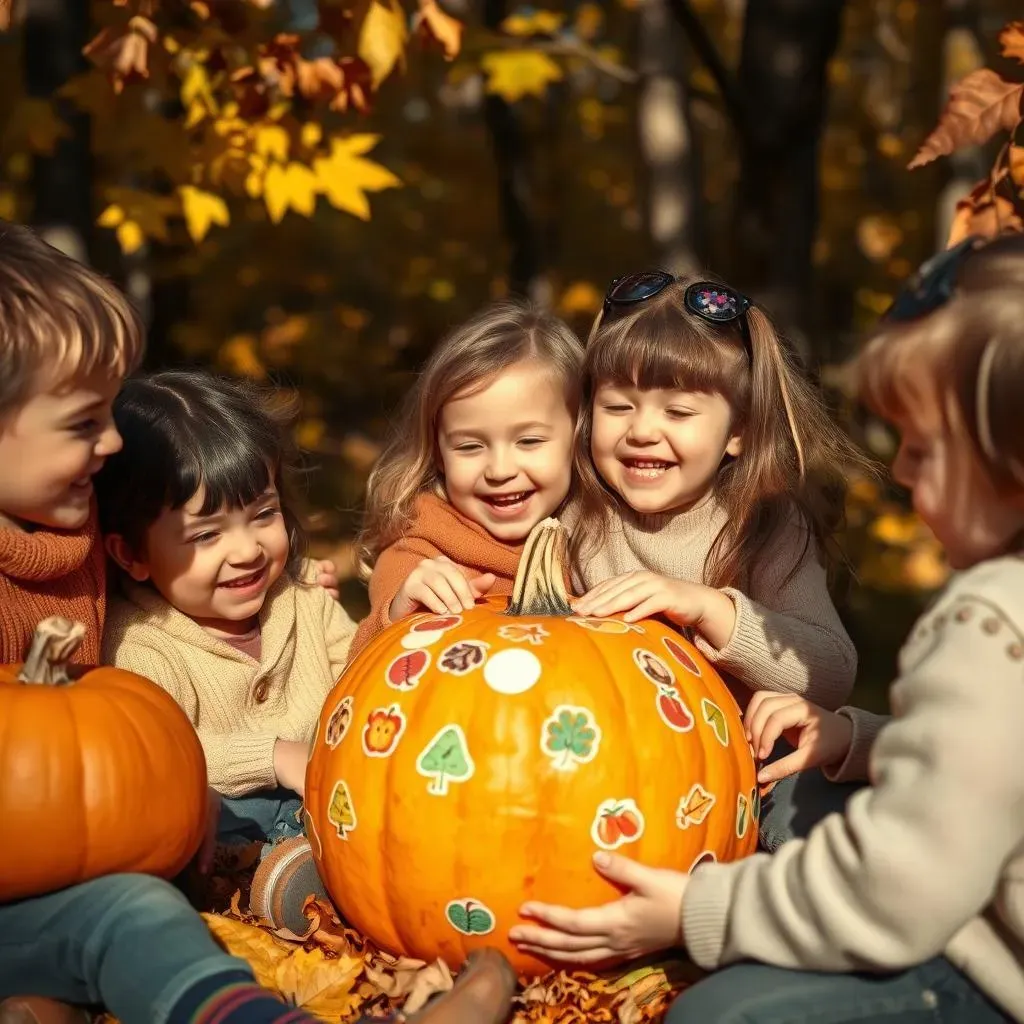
[481, 452]
[909, 906]
[212, 606]
[131, 942]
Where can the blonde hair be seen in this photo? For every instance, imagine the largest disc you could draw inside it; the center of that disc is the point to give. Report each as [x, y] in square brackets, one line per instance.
[964, 361]
[56, 313]
[793, 456]
[469, 358]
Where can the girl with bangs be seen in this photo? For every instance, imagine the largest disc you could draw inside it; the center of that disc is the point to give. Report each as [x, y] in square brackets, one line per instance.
[217, 605]
[910, 905]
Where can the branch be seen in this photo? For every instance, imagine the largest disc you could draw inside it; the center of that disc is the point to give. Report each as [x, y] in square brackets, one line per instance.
[577, 48]
[706, 51]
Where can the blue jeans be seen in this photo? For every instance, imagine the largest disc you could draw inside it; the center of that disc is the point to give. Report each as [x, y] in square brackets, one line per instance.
[268, 815]
[129, 942]
[931, 993]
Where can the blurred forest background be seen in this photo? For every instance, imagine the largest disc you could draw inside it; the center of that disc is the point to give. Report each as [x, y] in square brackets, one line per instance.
[311, 192]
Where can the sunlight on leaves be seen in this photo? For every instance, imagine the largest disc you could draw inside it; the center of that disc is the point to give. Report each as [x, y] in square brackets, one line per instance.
[513, 74]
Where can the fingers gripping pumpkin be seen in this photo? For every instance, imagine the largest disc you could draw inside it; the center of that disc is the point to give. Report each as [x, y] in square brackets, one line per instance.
[100, 773]
[466, 763]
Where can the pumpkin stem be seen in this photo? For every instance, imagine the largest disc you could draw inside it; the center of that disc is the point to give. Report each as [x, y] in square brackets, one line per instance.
[539, 588]
[53, 643]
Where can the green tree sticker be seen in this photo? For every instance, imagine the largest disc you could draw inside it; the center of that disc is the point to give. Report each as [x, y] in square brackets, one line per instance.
[570, 737]
[470, 917]
[445, 759]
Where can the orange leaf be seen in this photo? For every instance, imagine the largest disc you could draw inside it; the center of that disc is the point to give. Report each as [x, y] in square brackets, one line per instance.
[434, 24]
[980, 105]
[1012, 40]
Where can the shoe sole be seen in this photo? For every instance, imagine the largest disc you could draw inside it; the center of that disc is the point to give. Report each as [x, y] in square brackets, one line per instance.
[282, 882]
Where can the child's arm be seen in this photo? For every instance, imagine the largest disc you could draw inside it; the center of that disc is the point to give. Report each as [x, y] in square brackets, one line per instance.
[339, 629]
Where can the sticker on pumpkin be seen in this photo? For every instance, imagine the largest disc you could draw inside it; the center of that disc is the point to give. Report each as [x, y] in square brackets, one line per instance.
[340, 812]
[653, 667]
[462, 657]
[427, 632]
[673, 712]
[339, 722]
[707, 857]
[755, 803]
[471, 917]
[715, 717]
[445, 759]
[617, 822]
[679, 652]
[524, 632]
[512, 671]
[613, 627]
[383, 730]
[406, 670]
[694, 807]
[742, 816]
[570, 737]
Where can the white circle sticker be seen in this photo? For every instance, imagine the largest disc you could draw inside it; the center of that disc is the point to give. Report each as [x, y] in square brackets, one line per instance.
[414, 641]
[514, 670]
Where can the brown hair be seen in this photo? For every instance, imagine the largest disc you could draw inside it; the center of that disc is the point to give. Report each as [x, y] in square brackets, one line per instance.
[467, 359]
[57, 313]
[793, 456]
[965, 359]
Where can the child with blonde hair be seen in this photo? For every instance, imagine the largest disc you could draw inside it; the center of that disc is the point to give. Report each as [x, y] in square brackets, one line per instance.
[910, 905]
[480, 453]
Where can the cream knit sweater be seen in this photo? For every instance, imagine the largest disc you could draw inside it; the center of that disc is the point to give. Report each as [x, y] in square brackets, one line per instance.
[929, 858]
[788, 636]
[240, 707]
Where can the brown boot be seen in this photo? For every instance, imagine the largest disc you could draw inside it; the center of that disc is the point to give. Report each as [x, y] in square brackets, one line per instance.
[38, 1010]
[482, 994]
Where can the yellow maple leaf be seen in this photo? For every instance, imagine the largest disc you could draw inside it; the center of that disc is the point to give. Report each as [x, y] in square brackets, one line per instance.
[111, 216]
[513, 74]
[129, 236]
[258, 948]
[346, 176]
[201, 209]
[382, 38]
[324, 988]
[294, 186]
[271, 140]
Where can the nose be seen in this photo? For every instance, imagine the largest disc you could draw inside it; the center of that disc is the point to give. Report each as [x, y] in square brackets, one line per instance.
[643, 428]
[501, 464]
[109, 442]
[245, 547]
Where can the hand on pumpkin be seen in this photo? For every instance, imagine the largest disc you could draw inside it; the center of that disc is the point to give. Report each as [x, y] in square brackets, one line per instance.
[646, 919]
[290, 759]
[327, 577]
[820, 737]
[441, 586]
[641, 595]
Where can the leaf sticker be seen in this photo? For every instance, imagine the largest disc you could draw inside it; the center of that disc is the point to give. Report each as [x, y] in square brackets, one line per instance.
[339, 722]
[532, 633]
[612, 627]
[406, 670]
[742, 816]
[462, 657]
[340, 812]
[445, 759]
[570, 737]
[694, 807]
[679, 652]
[755, 803]
[715, 717]
[654, 669]
[471, 917]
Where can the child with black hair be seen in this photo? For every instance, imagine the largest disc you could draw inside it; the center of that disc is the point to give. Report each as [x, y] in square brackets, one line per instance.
[216, 604]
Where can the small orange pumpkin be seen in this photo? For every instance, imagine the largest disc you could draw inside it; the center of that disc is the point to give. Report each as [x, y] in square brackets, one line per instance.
[466, 763]
[100, 773]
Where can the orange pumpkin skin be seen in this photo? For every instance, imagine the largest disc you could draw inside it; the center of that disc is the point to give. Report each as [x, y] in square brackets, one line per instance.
[430, 833]
[101, 775]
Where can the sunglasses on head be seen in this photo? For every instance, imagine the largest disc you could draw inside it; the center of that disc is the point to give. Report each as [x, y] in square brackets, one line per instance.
[933, 283]
[715, 303]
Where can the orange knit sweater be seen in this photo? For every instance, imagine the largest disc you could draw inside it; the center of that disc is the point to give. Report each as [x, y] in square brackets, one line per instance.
[437, 529]
[51, 572]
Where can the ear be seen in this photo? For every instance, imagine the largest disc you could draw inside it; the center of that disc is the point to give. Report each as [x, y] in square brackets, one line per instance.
[121, 552]
[734, 446]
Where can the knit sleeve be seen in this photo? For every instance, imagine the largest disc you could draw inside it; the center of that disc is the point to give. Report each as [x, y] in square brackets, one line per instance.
[236, 763]
[788, 636]
[919, 853]
[339, 630]
[866, 727]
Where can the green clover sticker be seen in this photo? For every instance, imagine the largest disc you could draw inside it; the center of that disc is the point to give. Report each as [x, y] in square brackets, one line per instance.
[470, 917]
[570, 736]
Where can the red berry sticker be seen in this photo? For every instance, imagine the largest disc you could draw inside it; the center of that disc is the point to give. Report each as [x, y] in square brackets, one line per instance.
[679, 652]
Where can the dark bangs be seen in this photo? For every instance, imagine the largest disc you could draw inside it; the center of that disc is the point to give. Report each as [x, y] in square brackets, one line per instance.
[183, 431]
[658, 344]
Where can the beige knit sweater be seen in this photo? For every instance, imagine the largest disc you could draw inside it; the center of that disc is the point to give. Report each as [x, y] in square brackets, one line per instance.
[929, 858]
[788, 636]
[240, 707]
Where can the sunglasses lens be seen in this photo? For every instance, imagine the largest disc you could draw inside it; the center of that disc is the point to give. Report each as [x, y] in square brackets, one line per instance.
[638, 287]
[715, 302]
[933, 284]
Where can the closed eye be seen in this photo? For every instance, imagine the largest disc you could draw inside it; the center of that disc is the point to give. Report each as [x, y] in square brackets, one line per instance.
[203, 538]
[616, 408]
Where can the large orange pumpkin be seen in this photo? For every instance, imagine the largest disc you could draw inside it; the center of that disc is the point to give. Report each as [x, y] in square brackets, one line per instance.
[100, 773]
[465, 763]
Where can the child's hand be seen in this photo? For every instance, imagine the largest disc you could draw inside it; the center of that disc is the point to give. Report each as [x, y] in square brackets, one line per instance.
[821, 737]
[641, 595]
[209, 845]
[327, 577]
[647, 918]
[290, 757]
[440, 585]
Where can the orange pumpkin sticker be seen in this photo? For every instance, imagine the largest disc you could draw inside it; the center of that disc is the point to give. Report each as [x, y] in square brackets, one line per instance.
[694, 807]
[340, 813]
[383, 730]
[617, 822]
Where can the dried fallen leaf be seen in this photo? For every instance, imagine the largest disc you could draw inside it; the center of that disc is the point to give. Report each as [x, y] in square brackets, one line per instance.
[323, 987]
[433, 24]
[257, 947]
[1012, 40]
[980, 105]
